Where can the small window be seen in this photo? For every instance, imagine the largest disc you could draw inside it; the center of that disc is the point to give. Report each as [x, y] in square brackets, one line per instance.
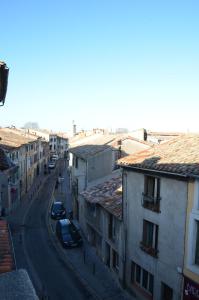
[166, 292]
[76, 162]
[151, 194]
[197, 244]
[138, 274]
[111, 227]
[150, 238]
[115, 260]
[142, 278]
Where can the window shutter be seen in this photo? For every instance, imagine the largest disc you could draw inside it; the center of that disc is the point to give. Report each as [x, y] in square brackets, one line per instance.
[158, 188]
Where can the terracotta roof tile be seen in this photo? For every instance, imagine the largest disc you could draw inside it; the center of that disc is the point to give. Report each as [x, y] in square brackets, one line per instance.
[14, 139]
[108, 195]
[7, 263]
[179, 155]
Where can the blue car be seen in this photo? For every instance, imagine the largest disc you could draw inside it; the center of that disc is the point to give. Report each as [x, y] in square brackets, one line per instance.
[68, 233]
[58, 211]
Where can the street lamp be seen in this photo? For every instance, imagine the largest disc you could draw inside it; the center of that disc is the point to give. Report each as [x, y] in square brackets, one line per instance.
[3, 82]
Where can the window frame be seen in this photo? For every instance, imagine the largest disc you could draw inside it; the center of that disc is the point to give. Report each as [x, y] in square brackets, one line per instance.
[151, 195]
[149, 287]
[111, 227]
[149, 242]
[165, 286]
[115, 260]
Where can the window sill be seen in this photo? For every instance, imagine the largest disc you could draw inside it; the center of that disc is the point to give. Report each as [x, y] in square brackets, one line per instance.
[193, 268]
[151, 251]
[151, 206]
[142, 291]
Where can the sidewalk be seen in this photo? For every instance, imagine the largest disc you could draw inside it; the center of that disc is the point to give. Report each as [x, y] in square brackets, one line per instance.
[16, 220]
[89, 268]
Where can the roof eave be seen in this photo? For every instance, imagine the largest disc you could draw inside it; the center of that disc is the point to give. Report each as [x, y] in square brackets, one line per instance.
[184, 177]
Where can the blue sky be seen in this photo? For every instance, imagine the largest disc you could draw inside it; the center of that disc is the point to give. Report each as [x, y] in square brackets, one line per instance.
[101, 63]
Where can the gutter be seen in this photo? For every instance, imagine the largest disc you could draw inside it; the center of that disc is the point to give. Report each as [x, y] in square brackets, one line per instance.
[186, 177]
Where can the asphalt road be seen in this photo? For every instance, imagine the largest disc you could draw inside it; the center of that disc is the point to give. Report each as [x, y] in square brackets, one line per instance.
[51, 276]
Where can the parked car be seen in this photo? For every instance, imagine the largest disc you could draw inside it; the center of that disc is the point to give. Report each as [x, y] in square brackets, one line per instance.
[55, 157]
[57, 210]
[68, 233]
[51, 165]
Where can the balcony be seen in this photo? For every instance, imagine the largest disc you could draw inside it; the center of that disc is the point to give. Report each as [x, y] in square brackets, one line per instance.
[149, 249]
[152, 203]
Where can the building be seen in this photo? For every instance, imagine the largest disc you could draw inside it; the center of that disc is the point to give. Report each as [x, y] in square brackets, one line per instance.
[101, 221]
[158, 207]
[29, 155]
[95, 157]
[58, 145]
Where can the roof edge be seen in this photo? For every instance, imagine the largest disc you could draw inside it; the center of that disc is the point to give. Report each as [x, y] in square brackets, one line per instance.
[184, 177]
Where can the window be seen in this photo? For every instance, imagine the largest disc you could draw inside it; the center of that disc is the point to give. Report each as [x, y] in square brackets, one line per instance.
[119, 142]
[149, 242]
[76, 162]
[142, 278]
[111, 227]
[115, 257]
[151, 195]
[166, 292]
[13, 156]
[197, 244]
[92, 210]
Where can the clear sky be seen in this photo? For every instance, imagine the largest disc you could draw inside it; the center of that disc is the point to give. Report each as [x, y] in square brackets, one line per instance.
[102, 63]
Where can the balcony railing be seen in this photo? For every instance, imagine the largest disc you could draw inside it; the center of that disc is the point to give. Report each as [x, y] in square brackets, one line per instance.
[152, 203]
[149, 249]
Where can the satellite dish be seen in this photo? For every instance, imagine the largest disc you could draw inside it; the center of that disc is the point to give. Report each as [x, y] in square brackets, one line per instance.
[3, 82]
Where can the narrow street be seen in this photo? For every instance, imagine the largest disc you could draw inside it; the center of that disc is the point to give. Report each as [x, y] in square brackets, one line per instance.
[49, 273]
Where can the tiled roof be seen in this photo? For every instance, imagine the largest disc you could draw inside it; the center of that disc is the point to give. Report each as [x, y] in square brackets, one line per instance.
[178, 156]
[16, 285]
[7, 263]
[108, 195]
[87, 150]
[13, 138]
[95, 139]
[91, 145]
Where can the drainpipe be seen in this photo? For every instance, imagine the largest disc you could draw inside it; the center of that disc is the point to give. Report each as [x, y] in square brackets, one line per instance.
[124, 218]
[86, 175]
[26, 174]
[186, 234]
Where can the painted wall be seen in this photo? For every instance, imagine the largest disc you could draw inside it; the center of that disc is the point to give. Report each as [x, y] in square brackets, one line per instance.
[191, 270]
[100, 165]
[171, 222]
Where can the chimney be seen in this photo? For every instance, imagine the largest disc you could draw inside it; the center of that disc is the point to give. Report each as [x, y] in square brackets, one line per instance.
[74, 128]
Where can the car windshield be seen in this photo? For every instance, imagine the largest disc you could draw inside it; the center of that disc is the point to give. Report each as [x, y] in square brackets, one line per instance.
[65, 230]
[57, 207]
